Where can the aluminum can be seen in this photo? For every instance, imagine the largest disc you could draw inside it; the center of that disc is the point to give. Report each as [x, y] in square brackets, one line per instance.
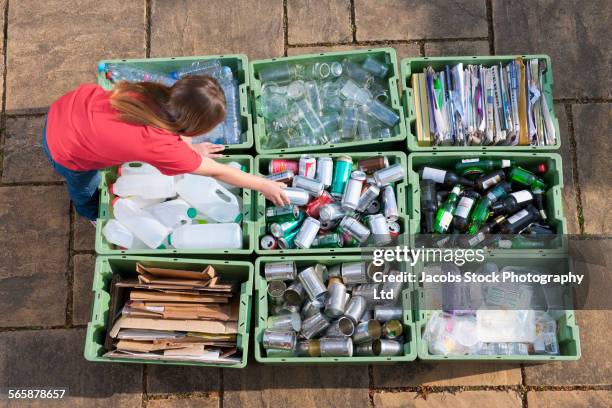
[389, 175]
[307, 234]
[379, 229]
[268, 242]
[331, 212]
[307, 166]
[280, 165]
[314, 187]
[352, 192]
[297, 196]
[356, 229]
[313, 208]
[325, 171]
[371, 164]
[281, 214]
[390, 204]
[333, 240]
[369, 195]
[342, 173]
[283, 177]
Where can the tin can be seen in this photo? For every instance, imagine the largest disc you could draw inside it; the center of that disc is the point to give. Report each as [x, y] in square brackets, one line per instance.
[354, 273]
[334, 271]
[367, 315]
[336, 300]
[365, 350]
[331, 212]
[313, 284]
[314, 187]
[393, 286]
[367, 332]
[369, 195]
[281, 214]
[279, 230]
[355, 308]
[286, 242]
[307, 166]
[374, 272]
[336, 347]
[371, 164]
[390, 204]
[268, 242]
[343, 327]
[333, 240]
[280, 340]
[389, 175]
[314, 207]
[387, 348]
[276, 353]
[294, 295]
[379, 229]
[287, 322]
[280, 271]
[384, 313]
[352, 192]
[310, 308]
[392, 329]
[283, 177]
[276, 290]
[342, 173]
[325, 170]
[309, 348]
[394, 229]
[287, 309]
[356, 229]
[297, 196]
[373, 208]
[308, 233]
[321, 270]
[368, 291]
[314, 325]
[280, 165]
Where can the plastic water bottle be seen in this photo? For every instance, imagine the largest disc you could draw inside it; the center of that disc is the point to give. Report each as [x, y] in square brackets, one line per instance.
[145, 186]
[117, 234]
[132, 168]
[196, 68]
[232, 125]
[207, 236]
[173, 213]
[140, 223]
[124, 72]
[208, 197]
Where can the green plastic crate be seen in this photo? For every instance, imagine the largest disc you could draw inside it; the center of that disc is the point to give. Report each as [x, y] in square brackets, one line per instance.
[553, 179]
[261, 307]
[385, 54]
[239, 64]
[261, 168]
[416, 65]
[106, 266]
[568, 331]
[103, 247]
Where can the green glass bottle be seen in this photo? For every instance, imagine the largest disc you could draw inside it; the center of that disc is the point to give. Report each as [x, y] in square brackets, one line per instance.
[527, 178]
[477, 166]
[444, 217]
[479, 215]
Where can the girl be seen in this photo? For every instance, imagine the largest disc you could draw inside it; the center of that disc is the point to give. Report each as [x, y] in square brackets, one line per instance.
[89, 129]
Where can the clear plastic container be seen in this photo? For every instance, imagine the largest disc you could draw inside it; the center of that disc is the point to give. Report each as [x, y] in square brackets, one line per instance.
[207, 236]
[209, 197]
[140, 223]
[144, 186]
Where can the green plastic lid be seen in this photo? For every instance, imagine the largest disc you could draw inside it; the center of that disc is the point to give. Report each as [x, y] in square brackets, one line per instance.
[170, 240]
[192, 212]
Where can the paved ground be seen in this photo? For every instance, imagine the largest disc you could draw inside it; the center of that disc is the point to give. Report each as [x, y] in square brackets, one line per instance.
[46, 253]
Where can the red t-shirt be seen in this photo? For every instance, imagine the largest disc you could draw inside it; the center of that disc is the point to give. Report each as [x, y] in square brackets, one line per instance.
[84, 133]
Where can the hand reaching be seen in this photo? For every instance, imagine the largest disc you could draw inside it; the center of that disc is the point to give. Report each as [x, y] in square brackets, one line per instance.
[273, 191]
[207, 149]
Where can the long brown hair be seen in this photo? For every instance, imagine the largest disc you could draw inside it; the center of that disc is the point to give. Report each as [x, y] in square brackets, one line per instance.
[192, 106]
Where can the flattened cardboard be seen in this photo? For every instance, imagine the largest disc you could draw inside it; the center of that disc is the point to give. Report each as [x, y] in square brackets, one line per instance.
[199, 326]
[207, 274]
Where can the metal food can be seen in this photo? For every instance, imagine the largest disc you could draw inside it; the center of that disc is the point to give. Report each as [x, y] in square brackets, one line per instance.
[384, 313]
[268, 242]
[356, 229]
[309, 348]
[313, 208]
[354, 273]
[379, 229]
[283, 176]
[314, 325]
[325, 171]
[390, 204]
[388, 348]
[389, 175]
[286, 322]
[281, 214]
[313, 284]
[309, 308]
[394, 286]
[373, 164]
[307, 166]
[372, 271]
[343, 327]
[281, 165]
[373, 208]
[336, 300]
[336, 347]
[365, 350]
[276, 353]
[287, 309]
[280, 340]
[370, 194]
[331, 212]
[392, 329]
[367, 332]
[294, 295]
[297, 196]
[333, 240]
[355, 308]
[314, 187]
[307, 234]
[280, 271]
[276, 290]
[394, 229]
[352, 192]
[368, 291]
[334, 271]
[342, 173]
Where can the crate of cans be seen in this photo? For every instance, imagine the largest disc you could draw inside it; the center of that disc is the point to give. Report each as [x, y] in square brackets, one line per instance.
[478, 103]
[327, 101]
[492, 200]
[520, 320]
[185, 214]
[340, 309]
[339, 202]
[231, 71]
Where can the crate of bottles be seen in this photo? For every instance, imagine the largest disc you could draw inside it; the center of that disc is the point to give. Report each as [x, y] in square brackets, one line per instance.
[327, 101]
[339, 230]
[290, 328]
[244, 219]
[494, 200]
[125, 266]
[474, 135]
[232, 72]
[508, 321]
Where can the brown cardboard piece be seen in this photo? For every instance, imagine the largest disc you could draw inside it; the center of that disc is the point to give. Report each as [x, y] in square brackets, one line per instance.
[198, 326]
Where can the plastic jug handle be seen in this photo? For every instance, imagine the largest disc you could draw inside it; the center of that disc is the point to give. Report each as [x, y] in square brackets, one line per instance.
[222, 195]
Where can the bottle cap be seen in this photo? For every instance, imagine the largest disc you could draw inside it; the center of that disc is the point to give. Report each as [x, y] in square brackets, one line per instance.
[541, 168]
[192, 212]
[102, 67]
[170, 239]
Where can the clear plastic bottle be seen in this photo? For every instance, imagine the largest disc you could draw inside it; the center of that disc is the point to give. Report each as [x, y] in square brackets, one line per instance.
[349, 121]
[207, 236]
[208, 197]
[144, 186]
[382, 112]
[117, 234]
[354, 93]
[173, 213]
[232, 123]
[196, 68]
[124, 72]
[140, 223]
[375, 67]
[310, 121]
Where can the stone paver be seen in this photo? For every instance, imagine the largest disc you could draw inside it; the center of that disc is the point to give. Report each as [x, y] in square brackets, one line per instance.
[81, 293]
[592, 124]
[413, 20]
[312, 21]
[570, 205]
[54, 359]
[574, 34]
[83, 234]
[24, 160]
[575, 399]
[456, 48]
[303, 386]
[190, 27]
[34, 251]
[465, 399]
[190, 402]
[172, 379]
[71, 37]
[446, 374]
[595, 365]
[2, 50]
[402, 50]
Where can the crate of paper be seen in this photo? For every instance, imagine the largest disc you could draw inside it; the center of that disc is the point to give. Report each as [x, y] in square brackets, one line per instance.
[513, 319]
[341, 309]
[326, 101]
[491, 200]
[170, 311]
[340, 202]
[479, 103]
[145, 212]
[232, 72]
